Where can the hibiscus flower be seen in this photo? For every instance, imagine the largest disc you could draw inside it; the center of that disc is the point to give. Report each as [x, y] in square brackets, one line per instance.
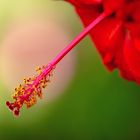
[114, 27]
[117, 37]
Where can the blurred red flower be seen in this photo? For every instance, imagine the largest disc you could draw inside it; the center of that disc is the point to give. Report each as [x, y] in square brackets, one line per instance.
[117, 37]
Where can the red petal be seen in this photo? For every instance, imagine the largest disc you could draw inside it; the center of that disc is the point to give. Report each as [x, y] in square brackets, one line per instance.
[112, 35]
[107, 35]
[113, 5]
[108, 38]
[124, 68]
[132, 57]
[134, 29]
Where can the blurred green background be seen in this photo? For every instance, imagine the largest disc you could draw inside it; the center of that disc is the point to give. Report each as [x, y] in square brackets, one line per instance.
[96, 105]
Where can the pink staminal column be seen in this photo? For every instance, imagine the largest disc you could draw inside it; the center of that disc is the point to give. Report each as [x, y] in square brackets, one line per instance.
[27, 92]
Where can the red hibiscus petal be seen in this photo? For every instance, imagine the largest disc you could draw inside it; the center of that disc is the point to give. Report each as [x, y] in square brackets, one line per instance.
[120, 60]
[131, 53]
[113, 5]
[112, 35]
[134, 30]
[106, 35]
[133, 9]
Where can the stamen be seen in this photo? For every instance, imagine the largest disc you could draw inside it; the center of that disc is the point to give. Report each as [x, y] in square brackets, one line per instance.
[31, 88]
